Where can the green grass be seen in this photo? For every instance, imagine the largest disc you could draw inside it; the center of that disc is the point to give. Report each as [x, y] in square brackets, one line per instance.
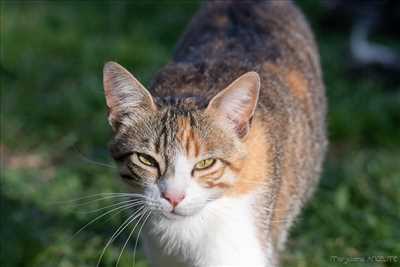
[53, 119]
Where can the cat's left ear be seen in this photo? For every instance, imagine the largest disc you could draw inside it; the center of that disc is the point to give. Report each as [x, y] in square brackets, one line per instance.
[237, 102]
[124, 95]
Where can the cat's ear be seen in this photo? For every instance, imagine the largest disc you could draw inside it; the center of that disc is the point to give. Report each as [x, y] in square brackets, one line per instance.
[237, 103]
[124, 95]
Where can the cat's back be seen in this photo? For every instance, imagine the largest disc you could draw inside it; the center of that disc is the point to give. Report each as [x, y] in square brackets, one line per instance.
[228, 38]
[248, 30]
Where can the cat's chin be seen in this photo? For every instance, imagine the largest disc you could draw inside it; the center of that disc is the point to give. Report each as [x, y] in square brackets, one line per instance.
[176, 215]
[173, 215]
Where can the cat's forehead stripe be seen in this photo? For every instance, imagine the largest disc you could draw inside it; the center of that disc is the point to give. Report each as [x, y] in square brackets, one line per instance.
[162, 139]
[187, 137]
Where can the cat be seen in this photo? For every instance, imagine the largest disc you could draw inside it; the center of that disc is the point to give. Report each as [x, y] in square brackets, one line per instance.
[226, 145]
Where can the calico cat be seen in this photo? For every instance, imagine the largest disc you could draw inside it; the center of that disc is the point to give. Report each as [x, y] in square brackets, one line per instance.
[226, 145]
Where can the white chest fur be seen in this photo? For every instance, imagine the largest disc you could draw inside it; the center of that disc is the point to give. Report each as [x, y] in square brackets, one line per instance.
[222, 234]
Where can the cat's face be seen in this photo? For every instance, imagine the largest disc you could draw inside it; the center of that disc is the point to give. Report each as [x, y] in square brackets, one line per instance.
[178, 159]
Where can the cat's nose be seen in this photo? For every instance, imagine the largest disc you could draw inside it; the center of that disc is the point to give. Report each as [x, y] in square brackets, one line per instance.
[174, 199]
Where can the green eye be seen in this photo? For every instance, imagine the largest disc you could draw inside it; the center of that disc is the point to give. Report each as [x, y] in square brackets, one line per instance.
[146, 160]
[204, 164]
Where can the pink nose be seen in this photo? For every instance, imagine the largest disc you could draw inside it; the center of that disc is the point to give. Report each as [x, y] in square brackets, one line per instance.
[174, 199]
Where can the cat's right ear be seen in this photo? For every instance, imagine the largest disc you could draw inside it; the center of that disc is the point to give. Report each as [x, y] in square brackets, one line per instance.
[236, 104]
[124, 95]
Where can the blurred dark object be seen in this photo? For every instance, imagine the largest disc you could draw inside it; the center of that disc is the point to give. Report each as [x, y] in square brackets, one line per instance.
[368, 18]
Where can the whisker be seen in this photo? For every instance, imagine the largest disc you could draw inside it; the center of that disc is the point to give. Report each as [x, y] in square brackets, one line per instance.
[123, 207]
[127, 240]
[100, 195]
[120, 229]
[85, 158]
[116, 196]
[123, 247]
[137, 239]
[99, 163]
[132, 201]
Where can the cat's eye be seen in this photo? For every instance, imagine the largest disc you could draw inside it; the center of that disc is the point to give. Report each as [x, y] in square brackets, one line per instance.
[146, 160]
[204, 164]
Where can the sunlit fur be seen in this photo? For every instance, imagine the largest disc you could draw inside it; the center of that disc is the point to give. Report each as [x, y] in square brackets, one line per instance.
[244, 89]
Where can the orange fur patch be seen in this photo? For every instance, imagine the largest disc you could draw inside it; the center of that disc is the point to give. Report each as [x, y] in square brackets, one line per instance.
[297, 84]
[294, 79]
[253, 170]
[269, 67]
[187, 138]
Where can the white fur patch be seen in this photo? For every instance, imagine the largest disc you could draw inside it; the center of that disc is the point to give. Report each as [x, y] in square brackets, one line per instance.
[182, 175]
[223, 233]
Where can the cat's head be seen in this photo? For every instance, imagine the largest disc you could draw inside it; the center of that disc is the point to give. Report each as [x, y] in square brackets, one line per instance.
[178, 158]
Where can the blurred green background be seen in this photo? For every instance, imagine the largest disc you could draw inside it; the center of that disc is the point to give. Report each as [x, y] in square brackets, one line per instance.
[54, 127]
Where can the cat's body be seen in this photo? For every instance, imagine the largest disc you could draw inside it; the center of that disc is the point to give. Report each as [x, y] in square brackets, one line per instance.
[262, 176]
